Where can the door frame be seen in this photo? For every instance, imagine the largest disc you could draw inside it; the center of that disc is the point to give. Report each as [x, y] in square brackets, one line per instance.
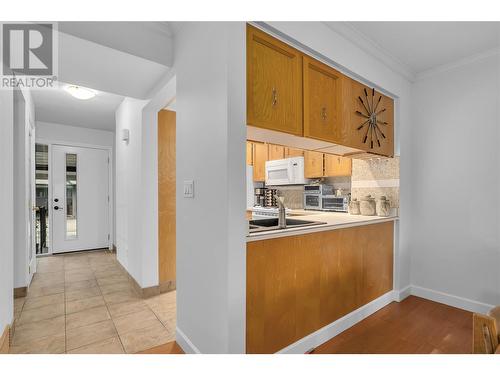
[111, 192]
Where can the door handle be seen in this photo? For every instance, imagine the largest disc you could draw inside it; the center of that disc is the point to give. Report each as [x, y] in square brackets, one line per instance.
[57, 208]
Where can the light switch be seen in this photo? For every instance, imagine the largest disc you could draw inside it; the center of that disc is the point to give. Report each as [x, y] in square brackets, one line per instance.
[188, 189]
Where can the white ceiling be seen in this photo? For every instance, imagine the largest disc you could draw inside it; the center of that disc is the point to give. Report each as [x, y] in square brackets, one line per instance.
[58, 106]
[421, 46]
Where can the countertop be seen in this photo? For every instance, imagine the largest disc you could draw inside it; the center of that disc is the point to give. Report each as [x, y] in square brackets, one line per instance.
[333, 220]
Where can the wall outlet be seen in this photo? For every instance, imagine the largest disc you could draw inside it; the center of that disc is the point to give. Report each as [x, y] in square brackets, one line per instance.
[189, 189]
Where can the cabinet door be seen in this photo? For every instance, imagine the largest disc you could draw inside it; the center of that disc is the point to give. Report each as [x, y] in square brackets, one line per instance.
[259, 161]
[291, 152]
[313, 164]
[275, 152]
[337, 166]
[274, 83]
[322, 101]
[358, 133]
[249, 153]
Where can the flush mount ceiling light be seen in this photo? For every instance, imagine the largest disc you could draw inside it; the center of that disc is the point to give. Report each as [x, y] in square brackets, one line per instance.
[81, 93]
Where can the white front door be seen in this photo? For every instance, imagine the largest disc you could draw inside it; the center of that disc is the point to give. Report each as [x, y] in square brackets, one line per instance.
[80, 198]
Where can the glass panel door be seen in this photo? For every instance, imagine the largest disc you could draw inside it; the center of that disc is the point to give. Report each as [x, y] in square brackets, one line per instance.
[42, 198]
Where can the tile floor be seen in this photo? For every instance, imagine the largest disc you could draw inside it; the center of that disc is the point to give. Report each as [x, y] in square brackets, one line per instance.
[85, 303]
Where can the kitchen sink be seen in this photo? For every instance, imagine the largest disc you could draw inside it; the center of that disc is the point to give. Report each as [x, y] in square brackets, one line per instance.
[259, 225]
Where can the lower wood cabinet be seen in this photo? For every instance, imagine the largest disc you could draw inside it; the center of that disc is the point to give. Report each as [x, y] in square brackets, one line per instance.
[299, 284]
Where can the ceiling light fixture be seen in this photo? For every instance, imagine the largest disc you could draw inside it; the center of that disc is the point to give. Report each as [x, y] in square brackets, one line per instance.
[81, 93]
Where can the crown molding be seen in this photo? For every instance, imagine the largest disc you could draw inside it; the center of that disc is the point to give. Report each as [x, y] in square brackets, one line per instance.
[348, 31]
[457, 64]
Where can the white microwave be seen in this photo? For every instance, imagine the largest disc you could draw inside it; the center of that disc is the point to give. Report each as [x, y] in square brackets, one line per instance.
[285, 171]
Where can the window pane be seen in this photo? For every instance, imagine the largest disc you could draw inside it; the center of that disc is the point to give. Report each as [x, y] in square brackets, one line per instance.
[71, 196]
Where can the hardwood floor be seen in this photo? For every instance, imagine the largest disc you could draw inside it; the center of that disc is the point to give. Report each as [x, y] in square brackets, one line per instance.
[168, 348]
[413, 326]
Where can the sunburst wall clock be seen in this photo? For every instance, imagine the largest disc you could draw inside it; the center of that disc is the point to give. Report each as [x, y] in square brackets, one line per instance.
[371, 126]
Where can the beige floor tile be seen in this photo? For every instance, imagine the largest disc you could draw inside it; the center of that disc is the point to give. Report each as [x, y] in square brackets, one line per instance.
[109, 346]
[79, 275]
[146, 338]
[117, 287]
[44, 328]
[112, 280]
[37, 302]
[113, 266]
[41, 313]
[19, 303]
[81, 336]
[167, 318]
[83, 304]
[165, 302]
[82, 294]
[45, 345]
[121, 296]
[56, 277]
[49, 267]
[87, 317]
[125, 308]
[84, 284]
[135, 321]
[114, 271]
[45, 290]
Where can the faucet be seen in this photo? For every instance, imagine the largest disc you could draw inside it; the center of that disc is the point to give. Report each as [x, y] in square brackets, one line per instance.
[281, 212]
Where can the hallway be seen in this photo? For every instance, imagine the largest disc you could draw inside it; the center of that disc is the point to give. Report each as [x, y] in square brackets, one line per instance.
[85, 303]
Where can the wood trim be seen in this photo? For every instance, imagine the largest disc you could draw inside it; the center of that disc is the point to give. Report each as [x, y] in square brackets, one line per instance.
[20, 292]
[166, 196]
[485, 334]
[5, 340]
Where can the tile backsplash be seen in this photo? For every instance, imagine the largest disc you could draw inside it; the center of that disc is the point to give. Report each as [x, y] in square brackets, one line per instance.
[375, 177]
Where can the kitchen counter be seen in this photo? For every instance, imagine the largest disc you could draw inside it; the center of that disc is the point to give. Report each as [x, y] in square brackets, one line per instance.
[332, 220]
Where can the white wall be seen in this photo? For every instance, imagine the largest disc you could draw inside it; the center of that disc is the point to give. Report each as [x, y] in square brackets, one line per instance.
[73, 134]
[128, 187]
[23, 117]
[7, 211]
[454, 171]
[211, 228]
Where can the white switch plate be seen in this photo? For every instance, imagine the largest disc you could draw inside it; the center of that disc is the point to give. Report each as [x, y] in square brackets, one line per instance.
[188, 189]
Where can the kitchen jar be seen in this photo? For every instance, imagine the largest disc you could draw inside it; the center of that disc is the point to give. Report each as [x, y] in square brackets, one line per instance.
[383, 206]
[354, 207]
[367, 206]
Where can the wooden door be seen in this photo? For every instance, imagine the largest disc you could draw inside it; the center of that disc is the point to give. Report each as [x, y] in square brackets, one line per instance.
[259, 161]
[291, 152]
[322, 101]
[249, 153]
[166, 198]
[275, 152]
[313, 164]
[357, 132]
[337, 166]
[274, 83]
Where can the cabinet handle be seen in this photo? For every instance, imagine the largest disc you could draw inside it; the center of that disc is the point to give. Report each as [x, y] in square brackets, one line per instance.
[275, 97]
[323, 113]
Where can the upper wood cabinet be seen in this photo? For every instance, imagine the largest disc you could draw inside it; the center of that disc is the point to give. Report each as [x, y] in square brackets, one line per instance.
[274, 83]
[249, 153]
[275, 152]
[313, 164]
[291, 152]
[322, 101]
[335, 166]
[260, 156]
[361, 100]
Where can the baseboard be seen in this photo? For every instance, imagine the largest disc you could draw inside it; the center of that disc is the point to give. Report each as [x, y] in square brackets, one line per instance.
[328, 332]
[5, 340]
[20, 292]
[185, 343]
[402, 294]
[451, 300]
